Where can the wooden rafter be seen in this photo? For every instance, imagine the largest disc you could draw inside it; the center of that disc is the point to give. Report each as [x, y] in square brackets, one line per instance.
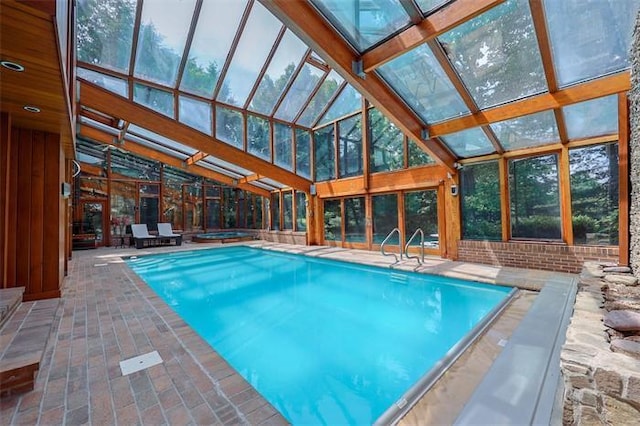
[187, 46]
[102, 100]
[196, 157]
[313, 29]
[429, 28]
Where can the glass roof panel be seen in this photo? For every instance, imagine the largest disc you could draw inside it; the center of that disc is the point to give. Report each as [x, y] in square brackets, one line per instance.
[592, 118]
[527, 131]
[254, 46]
[421, 82]
[589, 38]
[216, 168]
[261, 185]
[112, 84]
[105, 33]
[156, 99]
[154, 137]
[320, 99]
[98, 125]
[157, 147]
[428, 5]
[282, 66]
[196, 114]
[497, 55]
[162, 38]
[299, 92]
[229, 124]
[217, 25]
[259, 137]
[272, 182]
[227, 165]
[469, 143]
[364, 23]
[348, 101]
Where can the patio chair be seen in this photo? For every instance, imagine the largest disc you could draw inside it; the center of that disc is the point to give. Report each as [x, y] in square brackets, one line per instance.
[165, 232]
[141, 236]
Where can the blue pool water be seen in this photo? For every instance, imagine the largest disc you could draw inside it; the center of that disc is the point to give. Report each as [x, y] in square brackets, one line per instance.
[325, 342]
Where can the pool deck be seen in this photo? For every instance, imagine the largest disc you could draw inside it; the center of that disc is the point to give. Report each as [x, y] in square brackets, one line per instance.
[107, 315]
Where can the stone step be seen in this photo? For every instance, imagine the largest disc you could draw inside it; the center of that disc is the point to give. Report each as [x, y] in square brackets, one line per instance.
[10, 299]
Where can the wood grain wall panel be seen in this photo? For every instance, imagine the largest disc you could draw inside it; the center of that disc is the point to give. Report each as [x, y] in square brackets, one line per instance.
[36, 213]
[52, 228]
[12, 213]
[5, 135]
[22, 138]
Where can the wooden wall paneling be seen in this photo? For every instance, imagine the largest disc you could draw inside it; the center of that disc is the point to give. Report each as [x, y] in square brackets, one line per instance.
[443, 211]
[53, 224]
[5, 167]
[452, 216]
[22, 138]
[505, 213]
[565, 196]
[12, 212]
[36, 213]
[623, 176]
[53, 288]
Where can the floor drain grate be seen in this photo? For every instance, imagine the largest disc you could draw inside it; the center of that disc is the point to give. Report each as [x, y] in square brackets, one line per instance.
[140, 362]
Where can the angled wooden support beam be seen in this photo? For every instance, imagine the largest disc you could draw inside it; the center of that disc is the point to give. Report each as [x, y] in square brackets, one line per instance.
[196, 157]
[428, 29]
[251, 178]
[301, 18]
[102, 100]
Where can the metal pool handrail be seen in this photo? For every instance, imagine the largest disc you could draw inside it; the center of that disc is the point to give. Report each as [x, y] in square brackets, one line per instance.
[394, 230]
[406, 247]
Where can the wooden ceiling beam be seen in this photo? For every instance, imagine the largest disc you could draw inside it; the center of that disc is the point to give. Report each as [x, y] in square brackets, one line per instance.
[102, 100]
[301, 18]
[196, 157]
[251, 178]
[428, 29]
[616, 83]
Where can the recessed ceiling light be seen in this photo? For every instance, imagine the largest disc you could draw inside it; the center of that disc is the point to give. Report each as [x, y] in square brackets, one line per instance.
[31, 108]
[12, 66]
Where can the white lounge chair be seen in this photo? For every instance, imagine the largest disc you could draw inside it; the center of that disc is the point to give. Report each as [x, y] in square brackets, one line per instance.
[141, 236]
[166, 232]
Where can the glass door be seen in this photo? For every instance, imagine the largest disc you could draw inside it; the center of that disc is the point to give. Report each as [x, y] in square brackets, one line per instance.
[93, 220]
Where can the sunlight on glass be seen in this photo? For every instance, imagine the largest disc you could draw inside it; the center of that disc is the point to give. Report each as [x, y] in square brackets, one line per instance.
[348, 101]
[258, 137]
[303, 153]
[320, 99]
[528, 131]
[299, 92]
[386, 143]
[196, 114]
[592, 118]
[112, 84]
[324, 156]
[469, 143]
[417, 156]
[428, 5]
[156, 99]
[229, 126]
[283, 146]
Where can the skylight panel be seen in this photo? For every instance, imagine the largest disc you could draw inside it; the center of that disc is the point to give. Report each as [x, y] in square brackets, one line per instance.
[235, 168]
[158, 147]
[216, 168]
[162, 38]
[299, 92]
[589, 38]
[281, 68]
[196, 114]
[347, 102]
[257, 39]
[527, 131]
[272, 183]
[364, 23]
[427, 6]
[155, 137]
[258, 137]
[112, 84]
[320, 99]
[421, 82]
[497, 54]
[229, 124]
[217, 26]
[469, 143]
[592, 118]
[156, 99]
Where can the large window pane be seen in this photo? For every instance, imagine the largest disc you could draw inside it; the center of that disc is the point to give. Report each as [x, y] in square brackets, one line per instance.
[589, 38]
[192, 198]
[275, 211]
[347, 102]
[113, 84]
[303, 153]
[324, 154]
[350, 140]
[594, 194]
[527, 131]
[469, 143]
[417, 156]
[282, 141]
[213, 214]
[332, 220]
[534, 198]
[592, 118]
[258, 134]
[229, 126]
[319, 101]
[157, 100]
[480, 199]
[299, 92]
[354, 220]
[287, 210]
[385, 217]
[172, 196]
[301, 211]
[497, 54]
[123, 202]
[196, 114]
[421, 211]
[387, 143]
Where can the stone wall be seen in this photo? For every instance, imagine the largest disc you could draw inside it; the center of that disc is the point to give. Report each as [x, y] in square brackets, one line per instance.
[534, 255]
[288, 237]
[634, 151]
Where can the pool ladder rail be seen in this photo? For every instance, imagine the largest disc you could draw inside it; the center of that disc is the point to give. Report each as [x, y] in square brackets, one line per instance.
[404, 251]
[389, 235]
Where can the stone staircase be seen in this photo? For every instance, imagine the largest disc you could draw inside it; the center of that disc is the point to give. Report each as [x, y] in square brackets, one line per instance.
[24, 332]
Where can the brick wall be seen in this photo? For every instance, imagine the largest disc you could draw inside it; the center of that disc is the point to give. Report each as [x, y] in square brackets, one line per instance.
[534, 255]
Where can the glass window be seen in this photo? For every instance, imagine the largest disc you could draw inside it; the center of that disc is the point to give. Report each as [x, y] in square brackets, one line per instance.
[258, 37]
[123, 202]
[364, 23]
[497, 55]
[594, 194]
[229, 208]
[420, 81]
[301, 211]
[347, 102]
[172, 196]
[192, 198]
[259, 206]
[112, 84]
[196, 114]
[354, 220]
[480, 200]
[385, 217]
[325, 154]
[332, 220]
[282, 144]
[469, 143]
[527, 131]
[162, 38]
[592, 118]
[242, 209]
[299, 92]
[589, 38]
[534, 198]
[156, 99]
[258, 137]
[217, 25]
[350, 140]
[303, 153]
[229, 126]
[105, 33]
[421, 211]
[275, 211]
[320, 100]
[282, 66]
[213, 214]
[417, 156]
[387, 143]
[287, 210]
[428, 5]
